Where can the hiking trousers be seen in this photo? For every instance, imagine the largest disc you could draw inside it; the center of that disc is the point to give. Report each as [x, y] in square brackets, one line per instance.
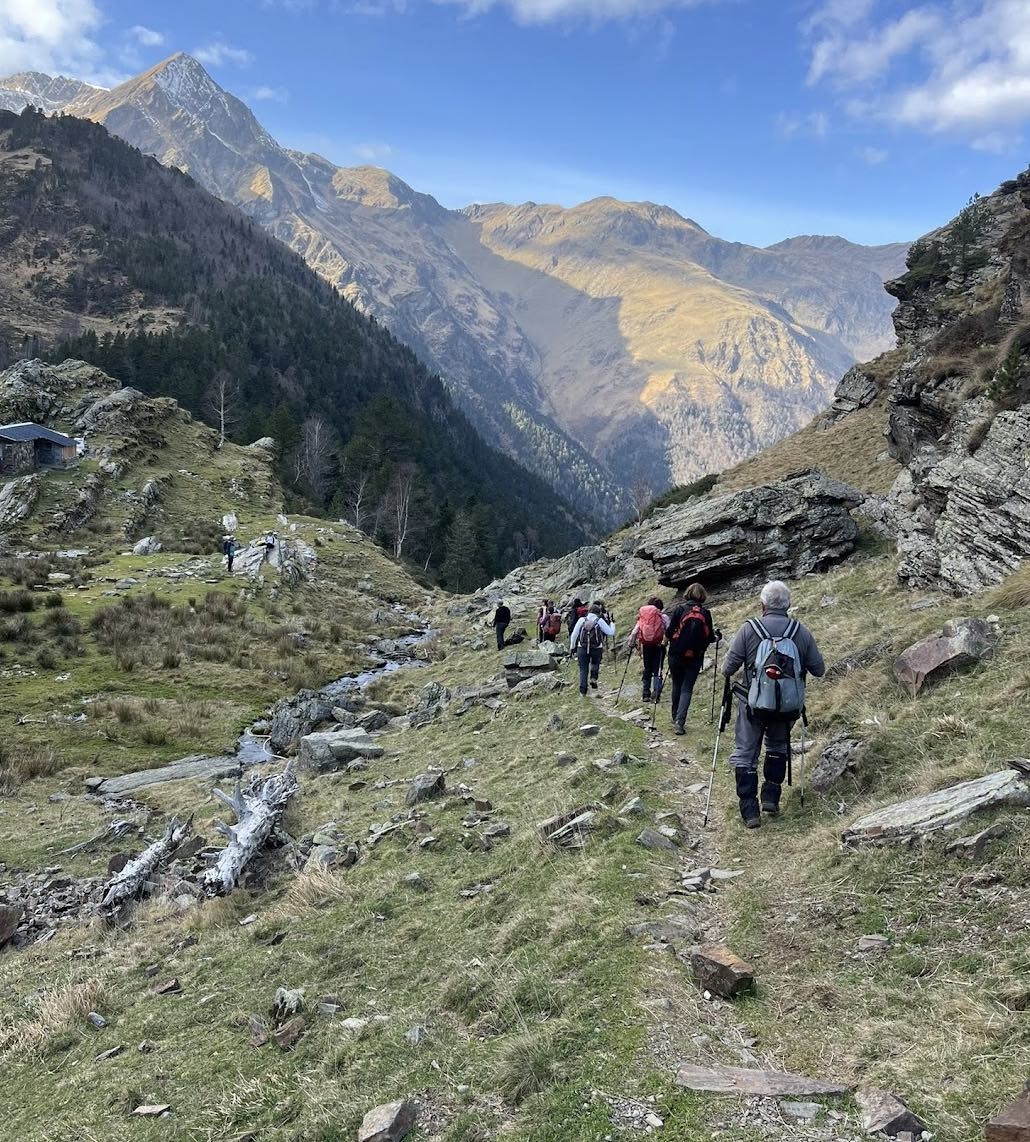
[589, 663]
[501, 628]
[749, 734]
[653, 658]
[684, 672]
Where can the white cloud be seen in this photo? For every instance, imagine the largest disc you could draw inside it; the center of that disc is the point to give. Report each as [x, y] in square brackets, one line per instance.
[960, 67]
[50, 36]
[813, 125]
[874, 156]
[217, 53]
[373, 152]
[146, 36]
[270, 94]
[594, 11]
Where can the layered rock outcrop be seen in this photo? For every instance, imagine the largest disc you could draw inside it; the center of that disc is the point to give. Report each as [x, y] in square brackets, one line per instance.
[739, 540]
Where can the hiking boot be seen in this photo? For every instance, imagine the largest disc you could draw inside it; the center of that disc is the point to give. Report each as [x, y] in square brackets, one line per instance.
[680, 730]
[774, 771]
[646, 696]
[583, 692]
[593, 683]
[747, 793]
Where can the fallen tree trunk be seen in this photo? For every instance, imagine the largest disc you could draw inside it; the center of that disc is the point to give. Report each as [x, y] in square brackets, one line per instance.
[132, 881]
[258, 810]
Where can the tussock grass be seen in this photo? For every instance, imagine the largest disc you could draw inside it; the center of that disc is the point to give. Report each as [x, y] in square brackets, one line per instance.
[59, 1010]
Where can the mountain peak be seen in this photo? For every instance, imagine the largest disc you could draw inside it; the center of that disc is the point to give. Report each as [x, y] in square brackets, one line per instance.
[182, 78]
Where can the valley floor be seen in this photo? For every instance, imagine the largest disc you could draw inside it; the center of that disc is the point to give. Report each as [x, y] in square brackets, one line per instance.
[499, 986]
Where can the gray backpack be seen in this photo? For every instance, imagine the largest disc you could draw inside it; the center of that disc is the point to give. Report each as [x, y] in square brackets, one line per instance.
[777, 690]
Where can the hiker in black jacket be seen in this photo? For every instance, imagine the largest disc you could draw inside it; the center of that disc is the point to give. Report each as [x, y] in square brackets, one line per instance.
[502, 619]
[691, 632]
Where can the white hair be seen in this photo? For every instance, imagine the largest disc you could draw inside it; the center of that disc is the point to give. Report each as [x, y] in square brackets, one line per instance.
[776, 595]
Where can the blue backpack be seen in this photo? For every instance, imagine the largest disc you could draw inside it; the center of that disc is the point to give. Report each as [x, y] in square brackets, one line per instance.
[777, 690]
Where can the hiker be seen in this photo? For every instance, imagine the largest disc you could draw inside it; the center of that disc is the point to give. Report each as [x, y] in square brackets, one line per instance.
[502, 617]
[577, 610]
[649, 634]
[550, 624]
[777, 653]
[587, 644]
[691, 632]
[229, 551]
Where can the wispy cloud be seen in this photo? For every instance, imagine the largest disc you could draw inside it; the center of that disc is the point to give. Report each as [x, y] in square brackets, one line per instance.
[811, 125]
[592, 11]
[270, 94]
[217, 53]
[960, 67]
[146, 36]
[51, 36]
[874, 156]
[373, 152]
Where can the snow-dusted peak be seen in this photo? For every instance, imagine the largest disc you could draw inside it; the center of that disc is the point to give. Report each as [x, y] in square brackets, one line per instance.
[49, 92]
[184, 80]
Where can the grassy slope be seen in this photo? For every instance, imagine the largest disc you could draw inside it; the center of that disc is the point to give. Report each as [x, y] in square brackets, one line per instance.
[532, 995]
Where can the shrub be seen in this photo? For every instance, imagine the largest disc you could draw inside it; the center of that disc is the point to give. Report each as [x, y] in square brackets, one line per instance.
[17, 602]
[52, 602]
[681, 494]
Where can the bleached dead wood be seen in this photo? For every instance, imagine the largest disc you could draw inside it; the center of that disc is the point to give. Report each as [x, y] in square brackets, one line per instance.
[132, 881]
[257, 810]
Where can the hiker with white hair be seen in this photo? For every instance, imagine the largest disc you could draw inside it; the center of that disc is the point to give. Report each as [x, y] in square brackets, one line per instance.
[777, 654]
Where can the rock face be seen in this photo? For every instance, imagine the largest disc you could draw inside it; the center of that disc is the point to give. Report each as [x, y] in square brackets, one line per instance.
[740, 539]
[922, 817]
[962, 643]
[960, 509]
[294, 717]
[17, 498]
[855, 390]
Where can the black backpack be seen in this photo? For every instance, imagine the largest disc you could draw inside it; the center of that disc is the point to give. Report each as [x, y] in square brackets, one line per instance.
[692, 633]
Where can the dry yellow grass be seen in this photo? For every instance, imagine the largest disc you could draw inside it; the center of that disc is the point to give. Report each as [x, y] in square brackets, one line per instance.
[58, 1010]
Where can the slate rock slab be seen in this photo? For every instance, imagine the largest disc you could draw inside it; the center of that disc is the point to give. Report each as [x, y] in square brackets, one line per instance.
[839, 758]
[389, 1123]
[740, 1080]
[962, 643]
[722, 972]
[426, 786]
[1013, 1123]
[883, 1112]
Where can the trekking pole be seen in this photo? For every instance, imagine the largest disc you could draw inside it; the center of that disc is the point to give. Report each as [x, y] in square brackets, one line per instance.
[804, 726]
[724, 718]
[625, 673]
[715, 677]
[658, 689]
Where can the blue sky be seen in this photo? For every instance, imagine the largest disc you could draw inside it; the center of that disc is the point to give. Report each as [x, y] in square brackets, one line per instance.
[875, 119]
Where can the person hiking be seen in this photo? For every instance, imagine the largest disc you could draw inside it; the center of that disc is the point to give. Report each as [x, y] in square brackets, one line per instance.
[501, 621]
[550, 625]
[776, 653]
[691, 632]
[577, 609]
[649, 635]
[229, 551]
[587, 644]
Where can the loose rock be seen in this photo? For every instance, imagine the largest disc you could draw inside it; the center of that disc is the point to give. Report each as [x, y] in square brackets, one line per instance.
[389, 1123]
[962, 643]
[721, 971]
[885, 1113]
[426, 786]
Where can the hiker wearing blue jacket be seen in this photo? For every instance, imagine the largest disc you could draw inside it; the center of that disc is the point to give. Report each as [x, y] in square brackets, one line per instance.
[751, 728]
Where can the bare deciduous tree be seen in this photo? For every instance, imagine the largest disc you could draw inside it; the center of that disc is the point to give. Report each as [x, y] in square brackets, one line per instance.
[640, 495]
[400, 522]
[313, 459]
[221, 402]
[357, 491]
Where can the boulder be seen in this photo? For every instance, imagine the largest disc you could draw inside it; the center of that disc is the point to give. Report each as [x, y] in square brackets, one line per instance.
[10, 918]
[426, 786]
[840, 757]
[963, 642]
[855, 390]
[188, 769]
[655, 841]
[740, 539]
[539, 659]
[721, 972]
[330, 857]
[922, 817]
[151, 545]
[1013, 1123]
[885, 1113]
[294, 717]
[230, 523]
[17, 498]
[327, 752]
[389, 1123]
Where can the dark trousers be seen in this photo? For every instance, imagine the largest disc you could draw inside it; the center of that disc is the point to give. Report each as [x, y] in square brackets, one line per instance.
[589, 662]
[501, 628]
[749, 734]
[684, 672]
[653, 658]
[228, 562]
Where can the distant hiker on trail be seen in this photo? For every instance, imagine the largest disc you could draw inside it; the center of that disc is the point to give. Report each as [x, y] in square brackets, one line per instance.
[550, 623]
[577, 609]
[587, 644]
[229, 551]
[502, 617]
[691, 632]
[649, 635]
[777, 653]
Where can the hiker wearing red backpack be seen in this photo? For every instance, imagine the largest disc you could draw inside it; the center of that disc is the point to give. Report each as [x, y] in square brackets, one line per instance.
[649, 635]
[691, 632]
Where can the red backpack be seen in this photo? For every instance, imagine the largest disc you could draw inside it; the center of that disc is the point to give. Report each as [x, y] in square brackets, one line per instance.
[693, 633]
[552, 624]
[650, 625]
